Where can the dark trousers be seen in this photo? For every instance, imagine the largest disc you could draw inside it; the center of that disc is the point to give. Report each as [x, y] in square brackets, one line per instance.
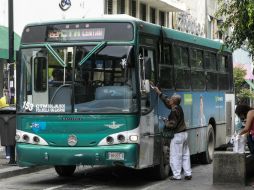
[250, 143]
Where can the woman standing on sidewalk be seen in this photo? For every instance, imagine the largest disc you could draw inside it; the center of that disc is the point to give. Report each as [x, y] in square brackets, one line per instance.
[246, 115]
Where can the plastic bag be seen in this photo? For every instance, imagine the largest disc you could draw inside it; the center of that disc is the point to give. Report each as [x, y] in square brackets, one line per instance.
[239, 142]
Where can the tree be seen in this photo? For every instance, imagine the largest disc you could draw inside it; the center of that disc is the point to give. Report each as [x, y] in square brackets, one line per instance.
[238, 15]
[241, 91]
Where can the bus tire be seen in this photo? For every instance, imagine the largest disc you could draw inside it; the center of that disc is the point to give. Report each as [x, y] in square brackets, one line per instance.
[207, 156]
[65, 171]
[161, 171]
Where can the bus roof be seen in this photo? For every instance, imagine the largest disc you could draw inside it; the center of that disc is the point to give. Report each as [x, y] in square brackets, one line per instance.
[111, 18]
[183, 37]
[148, 28]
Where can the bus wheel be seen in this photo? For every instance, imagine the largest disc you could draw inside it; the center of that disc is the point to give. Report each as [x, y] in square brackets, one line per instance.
[207, 156]
[65, 171]
[161, 171]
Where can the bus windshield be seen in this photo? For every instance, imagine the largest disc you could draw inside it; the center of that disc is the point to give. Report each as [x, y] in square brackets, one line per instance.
[80, 79]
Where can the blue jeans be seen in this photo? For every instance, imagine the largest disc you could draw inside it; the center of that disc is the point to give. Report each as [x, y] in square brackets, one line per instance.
[7, 150]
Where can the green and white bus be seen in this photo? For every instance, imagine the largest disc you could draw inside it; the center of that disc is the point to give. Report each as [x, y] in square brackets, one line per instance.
[101, 110]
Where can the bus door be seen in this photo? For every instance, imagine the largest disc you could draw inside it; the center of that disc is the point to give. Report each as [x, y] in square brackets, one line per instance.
[39, 78]
[148, 101]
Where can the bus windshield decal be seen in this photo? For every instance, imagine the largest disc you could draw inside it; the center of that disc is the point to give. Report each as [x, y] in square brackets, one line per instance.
[43, 108]
[94, 50]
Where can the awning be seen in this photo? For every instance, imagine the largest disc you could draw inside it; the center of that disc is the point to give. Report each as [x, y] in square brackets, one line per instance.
[4, 42]
[166, 5]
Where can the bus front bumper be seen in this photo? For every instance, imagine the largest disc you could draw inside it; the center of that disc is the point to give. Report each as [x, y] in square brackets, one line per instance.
[32, 155]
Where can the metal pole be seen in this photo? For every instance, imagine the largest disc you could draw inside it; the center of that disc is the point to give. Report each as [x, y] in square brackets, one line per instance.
[11, 52]
[11, 33]
[11, 69]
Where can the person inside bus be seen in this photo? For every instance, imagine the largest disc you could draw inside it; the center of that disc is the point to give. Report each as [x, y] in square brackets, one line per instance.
[57, 75]
[246, 115]
[179, 150]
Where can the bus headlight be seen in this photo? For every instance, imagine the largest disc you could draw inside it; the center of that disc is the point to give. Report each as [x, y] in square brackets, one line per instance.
[26, 138]
[121, 138]
[110, 140]
[29, 138]
[133, 138]
[36, 139]
[17, 137]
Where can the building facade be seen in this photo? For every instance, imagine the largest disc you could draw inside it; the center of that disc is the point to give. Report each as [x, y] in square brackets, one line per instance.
[27, 11]
[196, 17]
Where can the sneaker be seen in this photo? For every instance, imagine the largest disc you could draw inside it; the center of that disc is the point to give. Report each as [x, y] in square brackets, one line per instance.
[173, 178]
[7, 157]
[188, 177]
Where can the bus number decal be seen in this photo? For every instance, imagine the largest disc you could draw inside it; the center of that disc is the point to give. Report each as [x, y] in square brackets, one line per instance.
[43, 107]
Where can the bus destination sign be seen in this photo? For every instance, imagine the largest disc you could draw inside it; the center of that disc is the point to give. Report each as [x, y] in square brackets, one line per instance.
[76, 34]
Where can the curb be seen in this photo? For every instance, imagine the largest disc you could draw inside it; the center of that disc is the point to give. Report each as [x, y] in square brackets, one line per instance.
[12, 171]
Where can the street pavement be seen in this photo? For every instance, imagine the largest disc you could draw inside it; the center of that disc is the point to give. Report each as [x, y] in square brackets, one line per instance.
[11, 170]
[202, 177]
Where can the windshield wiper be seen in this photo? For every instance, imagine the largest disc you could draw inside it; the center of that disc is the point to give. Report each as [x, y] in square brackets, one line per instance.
[55, 55]
[94, 50]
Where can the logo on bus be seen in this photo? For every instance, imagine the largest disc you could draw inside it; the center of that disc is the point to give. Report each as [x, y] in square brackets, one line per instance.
[218, 98]
[65, 4]
[38, 126]
[113, 125]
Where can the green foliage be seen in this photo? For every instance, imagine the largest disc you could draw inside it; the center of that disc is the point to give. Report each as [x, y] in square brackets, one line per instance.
[245, 93]
[238, 14]
[241, 92]
[239, 74]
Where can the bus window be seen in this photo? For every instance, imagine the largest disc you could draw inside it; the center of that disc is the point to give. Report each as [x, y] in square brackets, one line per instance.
[182, 69]
[147, 60]
[166, 77]
[106, 81]
[211, 81]
[224, 82]
[40, 74]
[182, 79]
[166, 69]
[197, 80]
[181, 56]
[167, 57]
[210, 61]
[147, 73]
[196, 58]
[177, 55]
[222, 63]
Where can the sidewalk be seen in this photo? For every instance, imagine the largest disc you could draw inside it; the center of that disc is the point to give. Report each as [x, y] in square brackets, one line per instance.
[7, 170]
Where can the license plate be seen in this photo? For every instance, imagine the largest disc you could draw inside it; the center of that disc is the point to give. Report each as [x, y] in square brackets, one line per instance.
[115, 155]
